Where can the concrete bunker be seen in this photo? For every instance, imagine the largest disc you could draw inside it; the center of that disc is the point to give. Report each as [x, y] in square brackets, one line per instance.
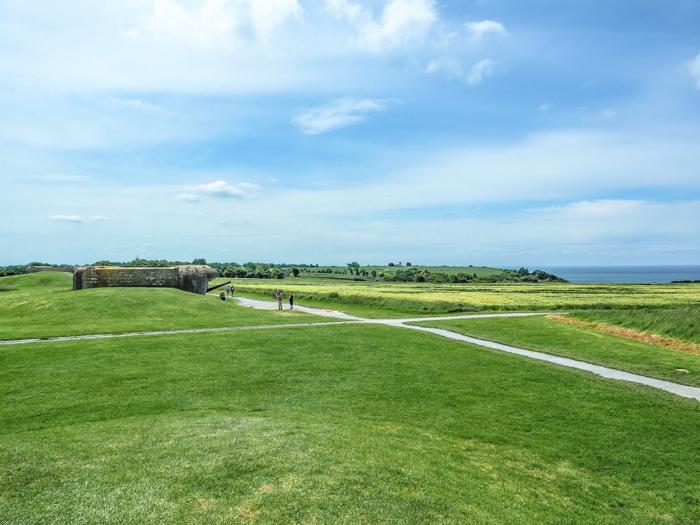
[190, 278]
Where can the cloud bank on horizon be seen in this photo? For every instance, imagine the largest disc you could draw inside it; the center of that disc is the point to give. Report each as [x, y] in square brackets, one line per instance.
[332, 130]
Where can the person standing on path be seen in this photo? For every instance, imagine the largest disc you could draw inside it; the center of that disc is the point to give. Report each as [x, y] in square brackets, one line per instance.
[291, 301]
[232, 289]
[228, 289]
[279, 300]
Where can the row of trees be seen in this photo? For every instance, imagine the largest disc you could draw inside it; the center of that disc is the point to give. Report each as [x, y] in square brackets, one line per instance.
[256, 270]
[19, 269]
[522, 275]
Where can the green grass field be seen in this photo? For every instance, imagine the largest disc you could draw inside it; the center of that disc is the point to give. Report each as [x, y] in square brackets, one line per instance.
[585, 344]
[331, 424]
[41, 311]
[339, 424]
[422, 298]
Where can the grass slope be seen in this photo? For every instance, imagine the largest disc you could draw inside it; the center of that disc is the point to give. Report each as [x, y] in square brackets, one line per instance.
[118, 310]
[585, 344]
[680, 323]
[33, 283]
[340, 424]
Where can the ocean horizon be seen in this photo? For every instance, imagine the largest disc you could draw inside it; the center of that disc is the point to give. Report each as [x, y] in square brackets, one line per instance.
[625, 274]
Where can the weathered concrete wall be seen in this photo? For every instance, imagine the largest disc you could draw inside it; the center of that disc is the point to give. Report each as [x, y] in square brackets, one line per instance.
[35, 269]
[190, 278]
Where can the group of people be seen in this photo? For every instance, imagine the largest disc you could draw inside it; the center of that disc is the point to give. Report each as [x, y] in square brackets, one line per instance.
[227, 293]
[280, 297]
[275, 295]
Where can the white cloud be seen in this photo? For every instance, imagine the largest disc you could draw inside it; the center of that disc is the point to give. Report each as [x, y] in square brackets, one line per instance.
[401, 23]
[598, 208]
[268, 15]
[67, 218]
[481, 69]
[546, 106]
[220, 189]
[188, 197]
[62, 177]
[452, 68]
[98, 218]
[213, 22]
[478, 29]
[601, 116]
[132, 104]
[449, 66]
[692, 68]
[336, 114]
[608, 114]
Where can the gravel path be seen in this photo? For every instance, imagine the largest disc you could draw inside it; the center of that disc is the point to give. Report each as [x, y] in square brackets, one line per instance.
[164, 332]
[269, 305]
[602, 371]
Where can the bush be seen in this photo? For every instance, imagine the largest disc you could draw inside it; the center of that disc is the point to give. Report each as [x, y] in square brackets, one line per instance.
[436, 278]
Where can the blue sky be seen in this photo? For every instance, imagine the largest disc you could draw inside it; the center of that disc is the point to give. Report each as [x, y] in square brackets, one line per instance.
[477, 132]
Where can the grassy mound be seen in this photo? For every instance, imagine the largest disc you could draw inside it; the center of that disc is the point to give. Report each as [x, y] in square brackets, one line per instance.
[35, 283]
[118, 310]
[343, 424]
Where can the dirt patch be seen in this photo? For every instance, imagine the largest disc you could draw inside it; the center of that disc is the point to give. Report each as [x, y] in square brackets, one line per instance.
[628, 333]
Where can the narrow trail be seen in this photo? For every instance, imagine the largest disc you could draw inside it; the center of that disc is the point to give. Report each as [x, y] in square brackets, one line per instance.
[343, 318]
[164, 332]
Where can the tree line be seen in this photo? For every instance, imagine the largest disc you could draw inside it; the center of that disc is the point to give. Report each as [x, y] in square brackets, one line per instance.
[258, 270]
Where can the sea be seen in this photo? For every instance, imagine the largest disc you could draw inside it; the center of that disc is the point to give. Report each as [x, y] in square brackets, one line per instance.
[624, 274]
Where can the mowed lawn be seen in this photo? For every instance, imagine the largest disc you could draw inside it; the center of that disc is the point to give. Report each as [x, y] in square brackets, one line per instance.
[336, 424]
[582, 343]
[119, 310]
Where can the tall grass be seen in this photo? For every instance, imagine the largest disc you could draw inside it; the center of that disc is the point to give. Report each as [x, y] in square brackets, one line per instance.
[680, 322]
[446, 298]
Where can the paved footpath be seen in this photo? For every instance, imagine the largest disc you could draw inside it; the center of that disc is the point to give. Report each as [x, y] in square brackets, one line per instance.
[343, 318]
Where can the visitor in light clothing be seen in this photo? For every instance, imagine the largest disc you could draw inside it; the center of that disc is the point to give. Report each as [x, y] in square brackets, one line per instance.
[279, 300]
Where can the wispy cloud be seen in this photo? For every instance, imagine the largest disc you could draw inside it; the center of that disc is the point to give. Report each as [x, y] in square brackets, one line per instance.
[67, 218]
[213, 22]
[402, 22]
[483, 68]
[98, 218]
[188, 197]
[62, 177]
[600, 116]
[454, 69]
[336, 114]
[132, 104]
[477, 30]
[692, 68]
[220, 189]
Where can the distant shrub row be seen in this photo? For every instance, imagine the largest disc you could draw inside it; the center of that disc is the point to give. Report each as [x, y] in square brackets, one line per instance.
[507, 276]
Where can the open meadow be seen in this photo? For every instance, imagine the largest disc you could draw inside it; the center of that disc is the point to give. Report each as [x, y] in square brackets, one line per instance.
[354, 422]
[452, 298]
